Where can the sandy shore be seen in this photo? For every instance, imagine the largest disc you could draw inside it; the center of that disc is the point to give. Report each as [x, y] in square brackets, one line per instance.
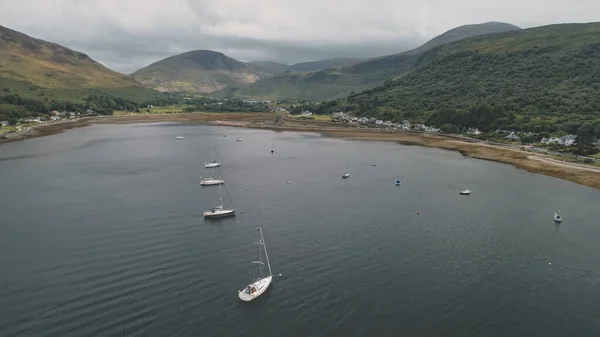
[581, 174]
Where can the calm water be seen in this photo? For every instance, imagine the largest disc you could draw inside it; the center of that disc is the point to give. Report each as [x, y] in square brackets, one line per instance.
[102, 234]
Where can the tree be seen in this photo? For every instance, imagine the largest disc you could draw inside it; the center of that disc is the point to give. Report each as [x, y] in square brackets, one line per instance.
[585, 137]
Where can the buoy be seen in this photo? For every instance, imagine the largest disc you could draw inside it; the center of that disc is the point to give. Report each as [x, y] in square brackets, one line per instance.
[280, 275]
[242, 212]
[549, 264]
[246, 189]
[418, 213]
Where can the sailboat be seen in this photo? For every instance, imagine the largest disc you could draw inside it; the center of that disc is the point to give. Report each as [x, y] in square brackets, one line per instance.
[213, 163]
[346, 175]
[219, 211]
[557, 216]
[259, 285]
[211, 181]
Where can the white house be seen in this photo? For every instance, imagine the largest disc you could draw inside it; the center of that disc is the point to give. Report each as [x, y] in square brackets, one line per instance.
[567, 140]
[512, 136]
[474, 131]
[306, 113]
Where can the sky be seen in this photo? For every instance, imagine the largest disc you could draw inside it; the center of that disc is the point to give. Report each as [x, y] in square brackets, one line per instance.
[126, 35]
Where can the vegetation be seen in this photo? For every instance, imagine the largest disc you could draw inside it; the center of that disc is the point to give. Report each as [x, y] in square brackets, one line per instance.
[334, 83]
[535, 80]
[20, 99]
[205, 104]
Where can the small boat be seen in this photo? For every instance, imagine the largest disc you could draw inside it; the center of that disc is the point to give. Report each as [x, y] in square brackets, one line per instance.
[373, 164]
[398, 182]
[179, 137]
[224, 135]
[273, 149]
[212, 180]
[557, 216]
[212, 163]
[214, 130]
[218, 211]
[465, 192]
[260, 284]
[239, 139]
[345, 175]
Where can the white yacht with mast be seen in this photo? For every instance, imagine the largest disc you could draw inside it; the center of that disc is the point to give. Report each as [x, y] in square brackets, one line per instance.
[219, 211]
[557, 216]
[260, 284]
[211, 181]
[212, 163]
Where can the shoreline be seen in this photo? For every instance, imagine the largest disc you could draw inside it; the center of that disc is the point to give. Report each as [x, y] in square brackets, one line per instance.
[529, 161]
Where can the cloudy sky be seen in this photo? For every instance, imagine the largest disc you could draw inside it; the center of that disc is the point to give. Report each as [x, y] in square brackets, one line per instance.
[128, 34]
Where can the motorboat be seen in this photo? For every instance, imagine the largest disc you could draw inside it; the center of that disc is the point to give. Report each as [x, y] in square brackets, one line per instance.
[179, 137]
[239, 139]
[465, 192]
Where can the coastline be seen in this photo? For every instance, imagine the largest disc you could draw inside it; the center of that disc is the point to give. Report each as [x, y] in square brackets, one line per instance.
[528, 161]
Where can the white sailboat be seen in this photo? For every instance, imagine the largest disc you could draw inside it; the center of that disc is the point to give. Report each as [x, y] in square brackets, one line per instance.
[212, 163]
[346, 175]
[259, 285]
[219, 211]
[557, 216]
[211, 181]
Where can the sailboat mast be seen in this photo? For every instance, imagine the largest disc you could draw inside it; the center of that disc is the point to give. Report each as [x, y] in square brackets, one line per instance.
[221, 195]
[265, 245]
[260, 265]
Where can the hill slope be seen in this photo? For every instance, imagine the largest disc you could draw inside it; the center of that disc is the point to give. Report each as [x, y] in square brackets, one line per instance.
[196, 71]
[336, 83]
[50, 65]
[268, 68]
[539, 79]
[322, 64]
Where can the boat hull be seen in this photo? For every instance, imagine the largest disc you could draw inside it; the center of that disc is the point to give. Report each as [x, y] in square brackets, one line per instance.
[260, 286]
[211, 182]
[223, 213]
[211, 165]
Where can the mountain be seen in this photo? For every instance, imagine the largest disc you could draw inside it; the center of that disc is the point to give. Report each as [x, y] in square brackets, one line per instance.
[336, 83]
[49, 65]
[533, 80]
[322, 64]
[464, 32]
[197, 71]
[268, 68]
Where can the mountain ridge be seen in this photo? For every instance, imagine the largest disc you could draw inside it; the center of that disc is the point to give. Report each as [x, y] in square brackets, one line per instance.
[50, 65]
[337, 83]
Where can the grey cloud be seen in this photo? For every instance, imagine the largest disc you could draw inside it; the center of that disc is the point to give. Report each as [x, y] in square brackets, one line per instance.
[128, 34]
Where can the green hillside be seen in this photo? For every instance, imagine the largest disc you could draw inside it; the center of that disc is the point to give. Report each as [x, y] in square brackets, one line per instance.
[268, 68]
[37, 77]
[50, 65]
[335, 83]
[533, 80]
[199, 71]
[322, 64]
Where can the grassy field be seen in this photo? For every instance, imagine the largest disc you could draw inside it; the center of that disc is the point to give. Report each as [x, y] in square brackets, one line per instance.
[156, 110]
